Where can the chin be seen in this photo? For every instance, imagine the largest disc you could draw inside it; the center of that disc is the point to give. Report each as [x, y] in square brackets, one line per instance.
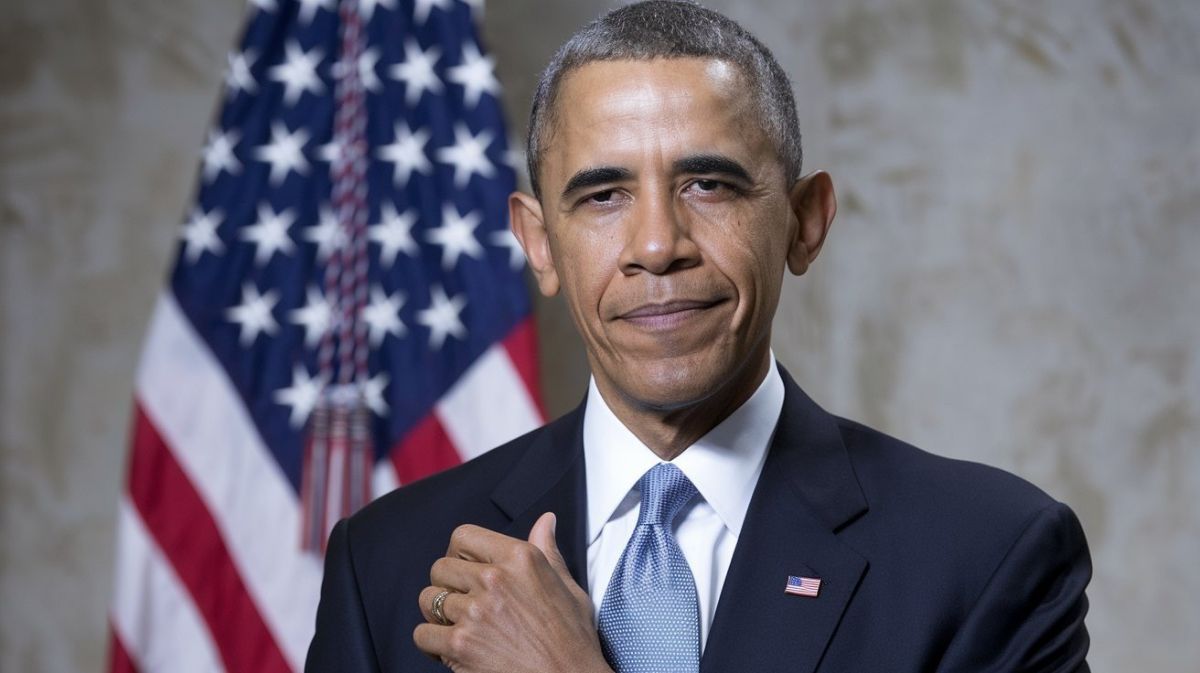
[670, 385]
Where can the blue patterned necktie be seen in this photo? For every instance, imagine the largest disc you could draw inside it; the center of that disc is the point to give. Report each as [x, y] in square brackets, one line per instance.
[650, 616]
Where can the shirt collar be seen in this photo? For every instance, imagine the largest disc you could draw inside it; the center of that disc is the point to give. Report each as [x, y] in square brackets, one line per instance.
[724, 464]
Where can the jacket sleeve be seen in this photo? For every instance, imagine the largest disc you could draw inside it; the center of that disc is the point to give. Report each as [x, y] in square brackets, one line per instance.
[1029, 616]
[342, 642]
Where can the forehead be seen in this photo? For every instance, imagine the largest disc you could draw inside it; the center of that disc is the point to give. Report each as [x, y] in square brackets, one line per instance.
[623, 79]
[631, 111]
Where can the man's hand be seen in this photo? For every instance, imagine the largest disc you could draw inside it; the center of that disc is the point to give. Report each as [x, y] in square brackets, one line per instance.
[512, 607]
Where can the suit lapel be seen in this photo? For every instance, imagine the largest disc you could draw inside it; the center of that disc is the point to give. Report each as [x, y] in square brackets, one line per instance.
[550, 478]
[807, 492]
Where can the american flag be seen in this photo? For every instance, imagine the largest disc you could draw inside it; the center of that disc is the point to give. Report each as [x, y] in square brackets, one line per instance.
[803, 586]
[346, 313]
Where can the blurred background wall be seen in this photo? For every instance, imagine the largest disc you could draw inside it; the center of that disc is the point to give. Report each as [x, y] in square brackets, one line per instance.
[1014, 275]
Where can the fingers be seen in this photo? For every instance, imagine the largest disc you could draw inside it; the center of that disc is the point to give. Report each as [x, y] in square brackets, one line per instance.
[542, 533]
[454, 647]
[542, 536]
[474, 547]
[454, 605]
[455, 574]
[475, 543]
[433, 639]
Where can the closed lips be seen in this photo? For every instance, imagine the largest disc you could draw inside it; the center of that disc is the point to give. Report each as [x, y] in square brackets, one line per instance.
[669, 308]
[678, 308]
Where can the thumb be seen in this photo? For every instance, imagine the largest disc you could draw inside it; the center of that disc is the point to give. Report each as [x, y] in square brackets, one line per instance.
[542, 537]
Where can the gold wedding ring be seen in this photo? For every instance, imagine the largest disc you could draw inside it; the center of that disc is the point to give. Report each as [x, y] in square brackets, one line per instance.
[438, 601]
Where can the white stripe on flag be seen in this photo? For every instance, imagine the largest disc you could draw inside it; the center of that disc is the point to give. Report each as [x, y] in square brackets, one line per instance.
[384, 479]
[152, 614]
[333, 491]
[219, 448]
[487, 406]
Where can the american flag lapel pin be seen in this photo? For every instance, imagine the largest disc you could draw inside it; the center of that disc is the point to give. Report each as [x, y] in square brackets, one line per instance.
[803, 586]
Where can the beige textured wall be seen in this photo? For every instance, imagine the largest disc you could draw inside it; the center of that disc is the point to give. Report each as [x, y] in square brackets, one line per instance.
[1014, 276]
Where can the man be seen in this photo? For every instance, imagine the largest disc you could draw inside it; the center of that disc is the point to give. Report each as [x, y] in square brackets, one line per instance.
[698, 511]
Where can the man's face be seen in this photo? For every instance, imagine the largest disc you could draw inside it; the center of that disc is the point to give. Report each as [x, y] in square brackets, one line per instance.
[667, 225]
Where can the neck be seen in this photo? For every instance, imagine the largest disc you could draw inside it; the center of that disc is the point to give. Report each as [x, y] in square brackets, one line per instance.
[668, 432]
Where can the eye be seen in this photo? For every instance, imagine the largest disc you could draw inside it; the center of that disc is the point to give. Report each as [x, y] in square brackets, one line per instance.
[711, 188]
[602, 200]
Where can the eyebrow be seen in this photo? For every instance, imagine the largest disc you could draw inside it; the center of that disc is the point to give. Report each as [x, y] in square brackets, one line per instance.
[712, 164]
[591, 177]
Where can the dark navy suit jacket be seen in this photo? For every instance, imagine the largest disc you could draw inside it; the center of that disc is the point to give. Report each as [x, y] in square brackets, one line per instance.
[926, 563]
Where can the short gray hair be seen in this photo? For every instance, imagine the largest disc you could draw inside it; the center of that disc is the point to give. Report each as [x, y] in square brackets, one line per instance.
[671, 29]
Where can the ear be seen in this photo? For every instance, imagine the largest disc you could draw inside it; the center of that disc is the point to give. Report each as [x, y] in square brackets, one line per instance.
[529, 226]
[814, 205]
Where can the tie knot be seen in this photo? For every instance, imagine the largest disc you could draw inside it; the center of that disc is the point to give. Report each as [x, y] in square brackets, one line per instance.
[665, 490]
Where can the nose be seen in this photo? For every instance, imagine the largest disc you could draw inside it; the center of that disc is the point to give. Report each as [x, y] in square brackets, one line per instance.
[658, 239]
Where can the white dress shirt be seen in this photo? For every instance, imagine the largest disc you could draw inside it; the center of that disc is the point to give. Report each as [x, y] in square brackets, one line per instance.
[724, 465]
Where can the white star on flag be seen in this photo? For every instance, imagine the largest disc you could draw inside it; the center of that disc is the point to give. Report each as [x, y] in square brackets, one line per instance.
[366, 70]
[218, 154]
[367, 7]
[269, 233]
[407, 153]
[254, 314]
[301, 396]
[238, 77]
[442, 317]
[285, 152]
[383, 315]
[199, 234]
[372, 392]
[475, 74]
[416, 71]
[298, 72]
[423, 7]
[456, 236]
[308, 8]
[330, 151]
[315, 316]
[468, 154]
[393, 233]
[504, 238]
[328, 234]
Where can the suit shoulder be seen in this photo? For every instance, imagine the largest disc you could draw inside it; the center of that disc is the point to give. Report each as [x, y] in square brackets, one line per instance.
[955, 520]
[895, 473]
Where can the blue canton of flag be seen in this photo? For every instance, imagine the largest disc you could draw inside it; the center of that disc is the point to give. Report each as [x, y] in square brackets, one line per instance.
[347, 312]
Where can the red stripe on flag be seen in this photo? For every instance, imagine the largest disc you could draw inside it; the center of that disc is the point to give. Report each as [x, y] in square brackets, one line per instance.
[425, 450]
[119, 660]
[521, 345]
[180, 522]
